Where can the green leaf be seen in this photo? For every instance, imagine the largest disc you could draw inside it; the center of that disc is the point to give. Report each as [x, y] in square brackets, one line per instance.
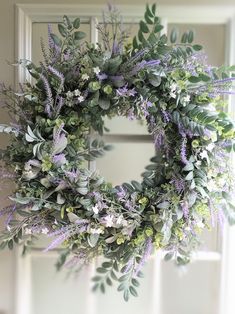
[148, 11]
[95, 287]
[194, 79]
[141, 37]
[154, 8]
[109, 281]
[188, 167]
[67, 22]
[102, 288]
[168, 256]
[135, 43]
[133, 291]
[113, 275]
[121, 287]
[163, 205]
[101, 270]
[76, 23]
[173, 35]
[79, 35]
[20, 200]
[143, 27]
[148, 19]
[104, 103]
[184, 38]
[190, 36]
[123, 278]
[93, 239]
[135, 282]
[82, 191]
[137, 186]
[62, 30]
[10, 244]
[158, 28]
[189, 176]
[197, 47]
[126, 295]
[154, 80]
[205, 78]
[56, 39]
[106, 264]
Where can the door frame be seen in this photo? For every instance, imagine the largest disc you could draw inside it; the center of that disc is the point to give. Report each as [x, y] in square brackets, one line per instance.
[26, 15]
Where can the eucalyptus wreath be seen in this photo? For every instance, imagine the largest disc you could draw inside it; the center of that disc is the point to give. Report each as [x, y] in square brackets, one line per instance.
[187, 185]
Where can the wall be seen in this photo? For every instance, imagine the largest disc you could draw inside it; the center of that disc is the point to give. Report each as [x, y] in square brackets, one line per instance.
[7, 39]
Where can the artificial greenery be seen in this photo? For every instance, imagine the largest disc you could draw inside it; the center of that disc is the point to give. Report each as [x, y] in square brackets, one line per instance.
[186, 187]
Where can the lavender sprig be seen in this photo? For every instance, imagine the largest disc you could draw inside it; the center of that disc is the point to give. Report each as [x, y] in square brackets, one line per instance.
[59, 75]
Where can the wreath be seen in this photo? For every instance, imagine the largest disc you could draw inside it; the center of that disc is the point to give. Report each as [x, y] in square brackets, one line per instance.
[186, 187]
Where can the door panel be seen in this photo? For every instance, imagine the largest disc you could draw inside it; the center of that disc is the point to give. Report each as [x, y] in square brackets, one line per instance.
[193, 289]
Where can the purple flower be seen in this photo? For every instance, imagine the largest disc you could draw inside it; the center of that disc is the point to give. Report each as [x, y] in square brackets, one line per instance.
[144, 64]
[131, 114]
[49, 100]
[120, 192]
[129, 205]
[51, 43]
[185, 209]
[59, 160]
[75, 260]
[125, 92]
[59, 105]
[147, 252]
[102, 76]
[183, 153]
[63, 234]
[179, 184]
[159, 138]
[145, 106]
[56, 136]
[129, 265]
[166, 116]
[72, 175]
[59, 75]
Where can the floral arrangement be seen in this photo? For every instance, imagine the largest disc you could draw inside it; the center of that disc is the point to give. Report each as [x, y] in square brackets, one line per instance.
[184, 189]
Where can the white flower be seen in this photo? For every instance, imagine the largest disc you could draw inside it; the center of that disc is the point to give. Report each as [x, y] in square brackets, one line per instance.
[85, 77]
[96, 230]
[211, 185]
[109, 220]
[77, 92]
[69, 94]
[96, 70]
[173, 87]
[210, 107]
[200, 224]
[204, 155]
[44, 230]
[210, 147]
[187, 98]
[95, 209]
[120, 221]
[198, 163]
[173, 95]
[28, 231]
[80, 99]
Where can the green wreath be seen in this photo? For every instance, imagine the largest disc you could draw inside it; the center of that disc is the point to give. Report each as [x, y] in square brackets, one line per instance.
[186, 186]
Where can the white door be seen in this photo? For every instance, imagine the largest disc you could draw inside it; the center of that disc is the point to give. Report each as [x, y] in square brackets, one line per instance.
[166, 289]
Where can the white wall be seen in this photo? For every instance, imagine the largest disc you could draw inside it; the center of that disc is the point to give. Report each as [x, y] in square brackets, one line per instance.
[7, 39]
